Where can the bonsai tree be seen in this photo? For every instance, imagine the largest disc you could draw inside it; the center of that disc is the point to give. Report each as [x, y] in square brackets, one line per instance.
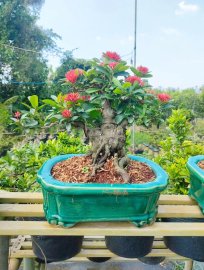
[104, 101]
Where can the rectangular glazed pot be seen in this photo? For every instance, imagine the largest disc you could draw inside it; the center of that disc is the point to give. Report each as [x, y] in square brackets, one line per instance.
[196, 180]
[68, 203]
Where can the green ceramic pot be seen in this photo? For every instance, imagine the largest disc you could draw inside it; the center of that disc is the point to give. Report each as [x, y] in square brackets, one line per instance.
[68, 203]
[196, 180]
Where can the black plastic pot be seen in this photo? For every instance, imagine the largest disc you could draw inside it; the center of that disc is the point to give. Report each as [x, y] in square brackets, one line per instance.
[188, 246]
[55, 248]
[130, 246]
[99, 259]
[151, 260]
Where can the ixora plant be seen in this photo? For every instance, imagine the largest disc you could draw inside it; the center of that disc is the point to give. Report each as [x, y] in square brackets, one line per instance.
[103, 101]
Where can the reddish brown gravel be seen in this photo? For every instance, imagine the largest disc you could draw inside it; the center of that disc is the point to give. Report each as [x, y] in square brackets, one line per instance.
[201, 164]
[78, 170]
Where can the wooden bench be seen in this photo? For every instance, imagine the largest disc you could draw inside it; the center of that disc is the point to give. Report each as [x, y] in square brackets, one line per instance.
[30, 205]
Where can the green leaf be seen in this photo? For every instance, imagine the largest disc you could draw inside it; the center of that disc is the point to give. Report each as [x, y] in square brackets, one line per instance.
[117, 82]
[51, 102]
[54, 97]
[10, 100]
[118, 91]
[135, 71]
[119, 118]
[95, 114]
[126, 85]
[121, 73]
[92, 109]
[97, 80]
[33, 101]
[74, 118]
[104, 70]
[26, 105]
[130, 120]
[92, 90]
[120, 67]
[30, 123]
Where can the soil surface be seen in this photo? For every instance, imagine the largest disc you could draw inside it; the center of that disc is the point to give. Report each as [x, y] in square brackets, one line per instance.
[201, 164]
[79, 169]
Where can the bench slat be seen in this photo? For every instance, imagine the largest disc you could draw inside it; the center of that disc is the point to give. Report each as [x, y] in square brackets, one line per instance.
[96, 253]
[158, 229]
[36, 197]
[36, 210]
[92, 245]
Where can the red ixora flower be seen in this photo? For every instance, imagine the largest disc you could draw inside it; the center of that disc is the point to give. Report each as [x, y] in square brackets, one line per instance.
[72, 75]
[133, 79]
[112, 64]
[66, 114]
[17, 115]
[163, 97]
[143, 70]
[112, 55]
[74, 97]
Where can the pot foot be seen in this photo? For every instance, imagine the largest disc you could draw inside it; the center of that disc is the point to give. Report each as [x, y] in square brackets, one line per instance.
[56, 221]
[142, 223]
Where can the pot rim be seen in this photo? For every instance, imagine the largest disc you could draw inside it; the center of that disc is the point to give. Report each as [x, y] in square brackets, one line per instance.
[45, 178]
[192, 165]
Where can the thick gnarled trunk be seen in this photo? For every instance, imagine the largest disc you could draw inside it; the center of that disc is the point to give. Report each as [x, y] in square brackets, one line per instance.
[107, 141]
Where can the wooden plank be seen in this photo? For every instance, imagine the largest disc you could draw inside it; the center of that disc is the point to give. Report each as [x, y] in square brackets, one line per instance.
[36, 197]
[158, 229]
[97, 253]
[21, 197]
[14, 263]
[176, 199]
[93, 245]
[21, 210]
[179, 211]
[36, 210]
[188, 265]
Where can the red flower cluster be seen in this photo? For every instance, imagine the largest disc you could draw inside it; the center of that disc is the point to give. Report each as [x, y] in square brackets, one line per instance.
[163, 97]
[143, 70]
[17, 115]
[112, 55]
[73, 75]
[112, 64]
[133, 79]
[66, 114]
[74, 97]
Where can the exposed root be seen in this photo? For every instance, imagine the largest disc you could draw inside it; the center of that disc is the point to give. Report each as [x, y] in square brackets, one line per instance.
[98, 153]
[106, 155]
[123, 162]
[96, 167]
[119, 167]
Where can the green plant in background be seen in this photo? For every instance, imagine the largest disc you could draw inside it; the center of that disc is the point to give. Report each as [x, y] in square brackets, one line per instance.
[6, 139]
[18, 169]
[31, 118]
[158, 111]
[175, 151]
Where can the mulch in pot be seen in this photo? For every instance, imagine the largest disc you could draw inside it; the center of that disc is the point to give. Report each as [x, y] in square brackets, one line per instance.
[78, 170]
[201, 164]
